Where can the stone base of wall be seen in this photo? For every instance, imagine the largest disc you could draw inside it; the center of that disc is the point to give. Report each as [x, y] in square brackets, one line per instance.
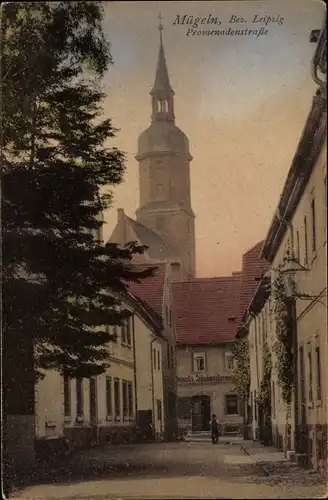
[19, 452]
[79, 437]
[118, 435]
[48, 450]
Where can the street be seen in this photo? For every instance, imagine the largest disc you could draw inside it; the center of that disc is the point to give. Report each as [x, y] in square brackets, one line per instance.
[170, 470]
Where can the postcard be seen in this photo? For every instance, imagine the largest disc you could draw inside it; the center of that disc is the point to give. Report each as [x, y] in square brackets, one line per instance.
[198, 129]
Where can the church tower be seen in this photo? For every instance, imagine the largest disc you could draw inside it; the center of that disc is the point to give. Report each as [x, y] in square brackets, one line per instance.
[164, 174]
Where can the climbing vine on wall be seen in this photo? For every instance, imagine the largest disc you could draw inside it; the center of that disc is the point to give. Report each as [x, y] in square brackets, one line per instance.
[283, 346]
[240, 351]
[264, 395]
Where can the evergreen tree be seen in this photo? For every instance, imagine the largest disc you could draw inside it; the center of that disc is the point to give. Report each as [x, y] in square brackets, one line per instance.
[60, 282]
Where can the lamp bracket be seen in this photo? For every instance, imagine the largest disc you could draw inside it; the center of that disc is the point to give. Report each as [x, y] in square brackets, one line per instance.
[305, 296]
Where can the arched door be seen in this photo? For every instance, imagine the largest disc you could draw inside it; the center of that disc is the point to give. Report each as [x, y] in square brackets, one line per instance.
[201, 413]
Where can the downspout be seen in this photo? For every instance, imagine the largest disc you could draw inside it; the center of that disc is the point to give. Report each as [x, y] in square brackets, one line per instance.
[152, 385]
[134, 370]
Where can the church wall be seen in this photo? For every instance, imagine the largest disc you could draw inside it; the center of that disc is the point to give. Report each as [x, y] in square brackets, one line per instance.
[164, 177]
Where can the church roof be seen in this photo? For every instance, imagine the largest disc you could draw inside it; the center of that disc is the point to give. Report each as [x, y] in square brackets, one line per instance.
[253, 269]
[162, 81]
[157, 248]
[163, 137]
[150, 291]
[206, 310]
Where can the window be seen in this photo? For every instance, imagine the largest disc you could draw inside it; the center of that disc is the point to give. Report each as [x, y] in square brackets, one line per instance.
[117, 398]
[125, 398]
[109, 399]
[199, 362]
[79, 397]
[230, 362]
[298, 256]
[231, 404]
[168, 354]
[93, 398]
[264, 326]
[130, 399]
[154, 358]
[170, 317]
[123, 332]
[255, 406]
[305, 241]
[302, 377]
[67, 396]
[273, 394]
[159, 409]
[318, 369]
[310, 376]
[255, 330]
[314, 243]
[158, 360]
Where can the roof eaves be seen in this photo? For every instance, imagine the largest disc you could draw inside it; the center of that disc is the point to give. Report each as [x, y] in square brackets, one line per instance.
[304, 161]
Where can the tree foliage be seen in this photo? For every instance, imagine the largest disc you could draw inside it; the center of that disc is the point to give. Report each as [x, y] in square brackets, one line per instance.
[59, 280]
[283, 346]
[240, 352]
[264, 394]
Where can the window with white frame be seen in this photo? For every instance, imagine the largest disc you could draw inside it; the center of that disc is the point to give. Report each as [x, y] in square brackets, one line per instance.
[229, 361]
[199, 361]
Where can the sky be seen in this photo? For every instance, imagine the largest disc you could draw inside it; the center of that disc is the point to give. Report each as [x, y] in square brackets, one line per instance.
[241, 100]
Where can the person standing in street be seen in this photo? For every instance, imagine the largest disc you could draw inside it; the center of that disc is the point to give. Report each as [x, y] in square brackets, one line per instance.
[214, 429]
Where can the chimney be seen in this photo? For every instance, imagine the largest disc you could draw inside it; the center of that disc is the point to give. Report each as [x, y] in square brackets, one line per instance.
[175, 271]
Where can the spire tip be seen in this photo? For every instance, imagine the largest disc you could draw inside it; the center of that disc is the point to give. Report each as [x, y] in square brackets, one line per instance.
[160, 26]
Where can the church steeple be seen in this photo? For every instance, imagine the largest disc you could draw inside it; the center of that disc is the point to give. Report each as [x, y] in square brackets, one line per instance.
[162, 92]
[164, 174]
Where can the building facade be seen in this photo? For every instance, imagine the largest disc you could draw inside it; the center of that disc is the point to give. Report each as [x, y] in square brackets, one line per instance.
[205, 312]
[154, 293]
[299, 232]
[111, 406]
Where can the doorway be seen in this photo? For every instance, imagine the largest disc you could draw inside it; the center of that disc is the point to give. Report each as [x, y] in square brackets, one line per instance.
[201, 413]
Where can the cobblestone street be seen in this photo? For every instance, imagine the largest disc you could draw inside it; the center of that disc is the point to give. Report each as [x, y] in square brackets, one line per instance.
[172, 470]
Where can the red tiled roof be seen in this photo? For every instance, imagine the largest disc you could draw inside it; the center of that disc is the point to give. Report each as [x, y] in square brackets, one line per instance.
[202, 308]
[150, 290]
[252, 267]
